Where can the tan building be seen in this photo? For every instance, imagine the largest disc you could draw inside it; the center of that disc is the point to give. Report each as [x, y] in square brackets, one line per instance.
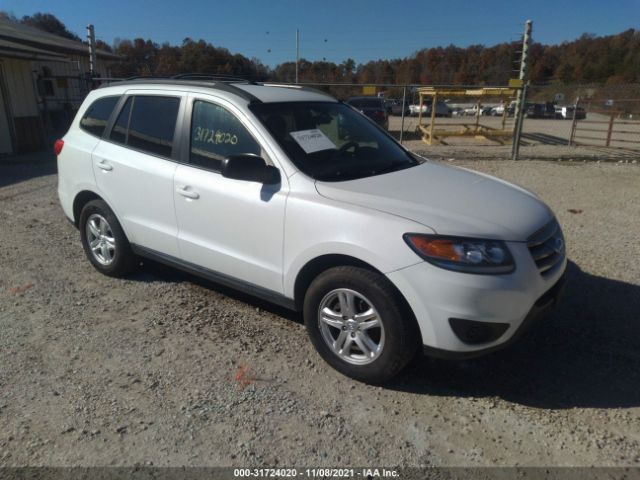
[43, 80]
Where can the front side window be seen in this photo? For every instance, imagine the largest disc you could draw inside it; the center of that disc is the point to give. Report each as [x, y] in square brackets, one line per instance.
[97, 115]
[147, 123]
[330, 141]
[216, 134]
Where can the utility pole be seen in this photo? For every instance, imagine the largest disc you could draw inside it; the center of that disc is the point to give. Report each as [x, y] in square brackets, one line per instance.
[404, 103]
[91, 39]
[522, 92]
[297, 52]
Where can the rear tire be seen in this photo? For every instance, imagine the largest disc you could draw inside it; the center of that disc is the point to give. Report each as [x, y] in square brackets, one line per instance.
[104, 241]
[359, 324]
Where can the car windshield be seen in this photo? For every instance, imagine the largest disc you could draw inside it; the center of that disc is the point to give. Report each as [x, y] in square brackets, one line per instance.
[331, 141]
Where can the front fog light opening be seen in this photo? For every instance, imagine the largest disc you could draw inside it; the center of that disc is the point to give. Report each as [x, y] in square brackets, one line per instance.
[473, 332]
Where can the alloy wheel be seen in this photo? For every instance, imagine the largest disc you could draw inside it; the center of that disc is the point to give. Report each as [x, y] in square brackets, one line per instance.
[100, 239]
[351, 326]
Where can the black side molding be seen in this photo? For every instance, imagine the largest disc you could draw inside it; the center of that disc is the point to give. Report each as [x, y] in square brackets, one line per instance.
[220, 278]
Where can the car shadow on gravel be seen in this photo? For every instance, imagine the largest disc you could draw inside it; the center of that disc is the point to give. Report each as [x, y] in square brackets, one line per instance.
[152, 271]
[585, 355]
[15, 169]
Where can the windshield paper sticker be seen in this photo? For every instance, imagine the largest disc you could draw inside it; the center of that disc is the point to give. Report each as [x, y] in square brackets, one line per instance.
[312, 140]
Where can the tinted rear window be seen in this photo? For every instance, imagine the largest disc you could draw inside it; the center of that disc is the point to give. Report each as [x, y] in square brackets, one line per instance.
[153, 123]
[148, 123]
[119, 130]
[97, 115]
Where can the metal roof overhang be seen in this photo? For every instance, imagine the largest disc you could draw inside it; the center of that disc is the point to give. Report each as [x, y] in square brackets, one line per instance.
[15, 50]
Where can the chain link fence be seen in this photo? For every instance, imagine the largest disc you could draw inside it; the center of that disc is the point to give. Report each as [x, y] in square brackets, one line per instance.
[585, 115]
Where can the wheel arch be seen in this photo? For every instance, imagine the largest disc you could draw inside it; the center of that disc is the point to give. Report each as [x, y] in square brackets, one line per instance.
[317, 265]
[80, 200]
[85, 196]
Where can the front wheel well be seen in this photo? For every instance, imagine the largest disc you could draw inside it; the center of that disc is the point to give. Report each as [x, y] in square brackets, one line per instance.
[80, 201]
[318, 265]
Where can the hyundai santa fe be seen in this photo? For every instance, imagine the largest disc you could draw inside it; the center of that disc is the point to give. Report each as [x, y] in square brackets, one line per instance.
[301, 200]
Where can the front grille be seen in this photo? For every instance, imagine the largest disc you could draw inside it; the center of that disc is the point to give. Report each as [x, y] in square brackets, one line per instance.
[547, 247]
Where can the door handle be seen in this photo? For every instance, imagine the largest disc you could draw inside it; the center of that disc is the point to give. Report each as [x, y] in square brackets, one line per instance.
[104, 166]
[186, 192]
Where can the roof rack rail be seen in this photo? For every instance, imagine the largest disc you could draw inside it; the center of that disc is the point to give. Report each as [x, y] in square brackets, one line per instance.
[298, 86]
[147, 77]
[226, 86]
[213, 76]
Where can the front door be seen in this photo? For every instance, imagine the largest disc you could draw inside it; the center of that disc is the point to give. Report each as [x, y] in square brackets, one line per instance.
[232, 227]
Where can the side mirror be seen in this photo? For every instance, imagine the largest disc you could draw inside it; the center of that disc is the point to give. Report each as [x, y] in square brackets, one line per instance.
[251, 168]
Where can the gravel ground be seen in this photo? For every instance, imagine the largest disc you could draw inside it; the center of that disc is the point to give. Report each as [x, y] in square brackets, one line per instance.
[166, 369]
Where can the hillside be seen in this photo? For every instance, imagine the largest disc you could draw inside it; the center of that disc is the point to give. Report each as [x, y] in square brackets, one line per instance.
[612, 59]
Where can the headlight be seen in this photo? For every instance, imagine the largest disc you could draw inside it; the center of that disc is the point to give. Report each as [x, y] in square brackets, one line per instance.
[462, 254]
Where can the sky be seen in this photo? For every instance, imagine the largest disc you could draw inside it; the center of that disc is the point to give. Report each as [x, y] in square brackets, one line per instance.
[334, 30]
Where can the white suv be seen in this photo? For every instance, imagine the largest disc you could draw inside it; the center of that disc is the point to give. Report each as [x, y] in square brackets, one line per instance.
[297, 198]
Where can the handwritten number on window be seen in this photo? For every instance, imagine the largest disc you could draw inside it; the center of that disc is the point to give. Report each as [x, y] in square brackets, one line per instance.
[216, 137]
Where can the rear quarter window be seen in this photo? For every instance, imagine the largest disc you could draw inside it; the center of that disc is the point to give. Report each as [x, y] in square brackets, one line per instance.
[94, 120]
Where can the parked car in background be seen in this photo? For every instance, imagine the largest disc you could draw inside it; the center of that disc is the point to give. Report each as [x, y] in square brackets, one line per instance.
[486, 110]
[568, 113]
[397, 108]
[498, 110]
[389, 103]
[442, 109]
[457, 111]
[296, 198]
[372, 107]
[540, 110]
[471, 111]
[415, 109]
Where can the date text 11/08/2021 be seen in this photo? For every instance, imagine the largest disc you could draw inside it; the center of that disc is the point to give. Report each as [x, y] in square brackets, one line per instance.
[315, 473]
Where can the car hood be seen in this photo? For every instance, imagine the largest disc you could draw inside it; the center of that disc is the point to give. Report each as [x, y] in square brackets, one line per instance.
[449, 200]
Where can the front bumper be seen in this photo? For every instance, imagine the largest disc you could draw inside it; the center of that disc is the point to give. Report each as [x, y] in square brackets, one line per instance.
[507, 304]
[538, 312]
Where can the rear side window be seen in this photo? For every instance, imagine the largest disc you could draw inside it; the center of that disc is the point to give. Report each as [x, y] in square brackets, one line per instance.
[147, 123]
[119, 130]
[216, 134]
[97, 115]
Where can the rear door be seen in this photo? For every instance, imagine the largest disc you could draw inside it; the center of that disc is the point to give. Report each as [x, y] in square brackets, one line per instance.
[134, 167]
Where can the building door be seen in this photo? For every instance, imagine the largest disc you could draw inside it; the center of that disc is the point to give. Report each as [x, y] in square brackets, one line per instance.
[5, 135]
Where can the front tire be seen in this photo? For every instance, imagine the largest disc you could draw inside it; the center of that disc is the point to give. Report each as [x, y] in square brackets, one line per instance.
[104, 241]
[359, 324]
